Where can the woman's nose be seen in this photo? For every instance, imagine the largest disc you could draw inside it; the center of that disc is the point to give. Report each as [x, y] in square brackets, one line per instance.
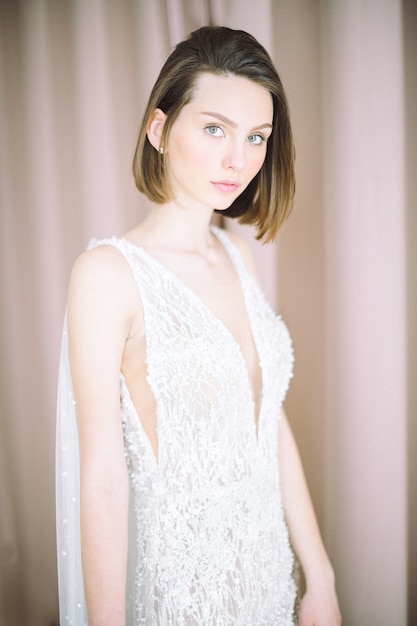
[235, 157]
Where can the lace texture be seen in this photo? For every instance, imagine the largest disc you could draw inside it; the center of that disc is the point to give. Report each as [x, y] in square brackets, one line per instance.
[208, 543]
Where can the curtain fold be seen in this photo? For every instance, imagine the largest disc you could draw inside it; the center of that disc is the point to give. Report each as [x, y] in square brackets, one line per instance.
[366, 314]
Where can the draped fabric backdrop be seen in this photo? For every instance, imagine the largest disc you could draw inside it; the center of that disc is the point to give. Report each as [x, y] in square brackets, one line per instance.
[74, 79]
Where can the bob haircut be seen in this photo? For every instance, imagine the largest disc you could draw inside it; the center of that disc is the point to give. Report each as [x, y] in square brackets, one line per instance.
[267, 200]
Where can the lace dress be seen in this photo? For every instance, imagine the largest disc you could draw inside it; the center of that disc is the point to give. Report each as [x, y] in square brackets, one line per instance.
[208, 542]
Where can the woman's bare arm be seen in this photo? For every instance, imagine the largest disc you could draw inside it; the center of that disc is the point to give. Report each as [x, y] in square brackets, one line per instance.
[319, 606]
[100, 309]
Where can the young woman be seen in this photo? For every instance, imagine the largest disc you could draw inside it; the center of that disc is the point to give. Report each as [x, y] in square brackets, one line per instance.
[192, 493]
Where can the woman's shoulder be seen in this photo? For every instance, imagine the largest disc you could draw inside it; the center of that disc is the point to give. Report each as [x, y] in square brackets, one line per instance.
[101, 260]
[102, 272]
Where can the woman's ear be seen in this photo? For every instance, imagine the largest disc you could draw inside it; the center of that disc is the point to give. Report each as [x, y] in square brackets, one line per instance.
[155, 128]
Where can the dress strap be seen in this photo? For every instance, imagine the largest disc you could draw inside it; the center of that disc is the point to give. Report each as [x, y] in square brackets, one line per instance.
[245, 275]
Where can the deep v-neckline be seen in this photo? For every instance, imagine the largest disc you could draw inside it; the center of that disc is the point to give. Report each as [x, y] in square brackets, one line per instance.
[203, 306]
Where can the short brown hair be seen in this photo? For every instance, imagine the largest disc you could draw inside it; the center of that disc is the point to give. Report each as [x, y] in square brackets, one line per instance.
[267, 200]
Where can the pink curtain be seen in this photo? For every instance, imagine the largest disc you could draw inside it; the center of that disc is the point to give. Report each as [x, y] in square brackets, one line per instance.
[366, 296]
[74, 77]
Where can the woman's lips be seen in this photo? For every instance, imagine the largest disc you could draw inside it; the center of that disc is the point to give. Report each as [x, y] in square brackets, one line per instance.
[226, 186]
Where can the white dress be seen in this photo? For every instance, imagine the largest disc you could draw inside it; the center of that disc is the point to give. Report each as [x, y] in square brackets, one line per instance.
[209, 545]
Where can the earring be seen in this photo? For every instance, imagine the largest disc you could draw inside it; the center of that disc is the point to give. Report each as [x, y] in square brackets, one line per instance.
[161, 149]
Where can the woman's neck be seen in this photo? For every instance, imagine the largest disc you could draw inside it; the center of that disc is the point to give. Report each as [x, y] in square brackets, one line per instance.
[173, 228]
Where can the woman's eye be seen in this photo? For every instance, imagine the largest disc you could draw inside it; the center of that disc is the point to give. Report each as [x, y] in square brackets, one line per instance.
[257, 139]
[214, 131]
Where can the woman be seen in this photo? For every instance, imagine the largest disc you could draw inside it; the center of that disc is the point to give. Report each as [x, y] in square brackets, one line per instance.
[179, 369]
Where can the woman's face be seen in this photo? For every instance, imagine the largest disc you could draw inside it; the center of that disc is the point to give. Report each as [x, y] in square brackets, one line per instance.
[218, 142]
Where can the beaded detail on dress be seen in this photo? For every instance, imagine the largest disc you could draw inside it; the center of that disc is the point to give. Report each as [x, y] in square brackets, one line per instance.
[211, 546]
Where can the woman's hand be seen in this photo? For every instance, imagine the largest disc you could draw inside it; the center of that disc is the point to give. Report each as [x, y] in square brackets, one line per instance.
[319, 607]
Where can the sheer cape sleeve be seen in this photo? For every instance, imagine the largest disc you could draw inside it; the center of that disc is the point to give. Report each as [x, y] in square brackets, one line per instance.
[72, 604]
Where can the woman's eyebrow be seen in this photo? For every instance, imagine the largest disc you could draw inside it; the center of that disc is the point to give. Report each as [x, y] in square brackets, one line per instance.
[230, 122]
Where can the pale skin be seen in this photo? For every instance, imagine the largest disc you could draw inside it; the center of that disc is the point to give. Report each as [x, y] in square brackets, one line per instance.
[215, 147]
